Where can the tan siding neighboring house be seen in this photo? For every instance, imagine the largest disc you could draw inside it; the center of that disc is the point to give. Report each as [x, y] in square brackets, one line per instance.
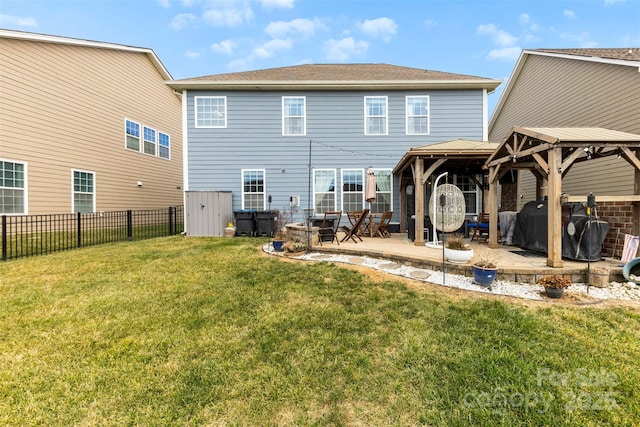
[574, 88]
[63, 106]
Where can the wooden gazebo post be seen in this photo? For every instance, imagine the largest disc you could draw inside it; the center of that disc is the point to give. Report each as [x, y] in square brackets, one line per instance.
[492, 207]
[418, 171]
[554, 215]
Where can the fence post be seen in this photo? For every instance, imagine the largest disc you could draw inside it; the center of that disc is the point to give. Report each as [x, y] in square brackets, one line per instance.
[4, 237]
[79, 229]
[129, 225]
[171, 232]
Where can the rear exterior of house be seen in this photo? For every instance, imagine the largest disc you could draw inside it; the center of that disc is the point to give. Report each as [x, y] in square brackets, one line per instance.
[85, 127]
[574, 88]
[305, 136]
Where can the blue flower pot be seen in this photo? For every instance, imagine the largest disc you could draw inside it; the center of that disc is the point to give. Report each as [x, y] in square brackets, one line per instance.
[483, 276]
[277, 245]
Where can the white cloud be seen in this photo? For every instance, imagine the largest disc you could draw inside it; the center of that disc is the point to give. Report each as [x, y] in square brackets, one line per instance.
[182, 20]
[582, 39]
[430, 23]
[17, 21]
[277, 4]
[524, 18]
[569, 13]
[226, 47]
[500, 37]
[383, 28]
[270, 48]
[505, 54]
[240, 64]
[228, 14]
[192, 54]
[612, 2]
[304, 27]
[164, 3]
[342, 50]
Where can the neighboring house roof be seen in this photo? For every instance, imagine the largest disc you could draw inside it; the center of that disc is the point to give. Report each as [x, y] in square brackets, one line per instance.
[627, 57]
[624, 54]
[337, 77]
[43, 38]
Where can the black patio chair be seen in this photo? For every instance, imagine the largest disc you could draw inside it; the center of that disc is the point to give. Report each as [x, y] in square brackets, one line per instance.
[328, 232]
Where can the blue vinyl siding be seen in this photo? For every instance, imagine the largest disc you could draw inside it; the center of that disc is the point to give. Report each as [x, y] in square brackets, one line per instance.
[334, 123]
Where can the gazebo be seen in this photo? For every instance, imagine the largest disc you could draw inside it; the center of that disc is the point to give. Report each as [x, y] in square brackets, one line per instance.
[549, 153]
[460, 156]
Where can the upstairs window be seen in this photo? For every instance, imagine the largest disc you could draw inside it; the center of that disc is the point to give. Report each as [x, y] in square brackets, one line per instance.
[149, 141]
[417, 109]
[132, 130]
[154, 143]
[211, 111]
[12, 187]
[253, 189]
[293, 115]
[83, 191]
[163, 145]
[375, 115]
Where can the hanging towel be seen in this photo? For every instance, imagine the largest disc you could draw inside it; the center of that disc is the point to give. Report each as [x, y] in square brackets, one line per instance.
[630, 248]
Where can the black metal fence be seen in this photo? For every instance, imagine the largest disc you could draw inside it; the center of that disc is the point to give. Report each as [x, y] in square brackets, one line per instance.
[29, 235]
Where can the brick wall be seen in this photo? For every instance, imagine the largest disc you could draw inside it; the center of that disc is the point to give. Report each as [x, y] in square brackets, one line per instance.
[619, 215]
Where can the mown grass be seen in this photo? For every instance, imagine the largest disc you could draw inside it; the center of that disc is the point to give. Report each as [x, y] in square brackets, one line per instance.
[190, 331]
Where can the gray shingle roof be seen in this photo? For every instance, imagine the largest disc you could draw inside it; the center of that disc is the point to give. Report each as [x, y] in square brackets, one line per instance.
[337, 77]
[628, 54]
[339, 72]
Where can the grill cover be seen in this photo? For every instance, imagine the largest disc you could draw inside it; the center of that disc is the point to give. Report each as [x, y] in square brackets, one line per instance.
[585, 244]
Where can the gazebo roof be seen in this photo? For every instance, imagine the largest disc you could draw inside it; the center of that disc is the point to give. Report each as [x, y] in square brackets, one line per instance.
[457, 149]
[523, 143]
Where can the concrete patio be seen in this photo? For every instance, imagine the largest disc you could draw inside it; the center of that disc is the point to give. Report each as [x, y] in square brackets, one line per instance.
[512, 266]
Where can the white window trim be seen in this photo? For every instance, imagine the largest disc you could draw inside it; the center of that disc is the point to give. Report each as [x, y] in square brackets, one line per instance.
[335, 192]
[386, 116]
[25, 189]
[168, 147]
[406, 114]
[478, 194]
[304, 116]
[126, 119]
[195, 112]
[342, 192]
[155, 141]
[141, 139]
[390, 184]
[264, 184]
[73, 191]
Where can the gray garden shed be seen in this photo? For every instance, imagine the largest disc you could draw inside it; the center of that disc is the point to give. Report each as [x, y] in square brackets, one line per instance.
[207, 213]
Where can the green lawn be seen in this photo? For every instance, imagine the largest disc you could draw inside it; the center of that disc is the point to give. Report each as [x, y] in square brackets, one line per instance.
[209, 331]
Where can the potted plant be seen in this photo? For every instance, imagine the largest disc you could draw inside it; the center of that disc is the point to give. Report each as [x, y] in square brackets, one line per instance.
[554, 284]
[485, 270]
[457, 250]
[279, 240]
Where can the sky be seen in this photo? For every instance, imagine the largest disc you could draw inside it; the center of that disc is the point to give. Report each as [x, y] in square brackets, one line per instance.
[202, 37]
